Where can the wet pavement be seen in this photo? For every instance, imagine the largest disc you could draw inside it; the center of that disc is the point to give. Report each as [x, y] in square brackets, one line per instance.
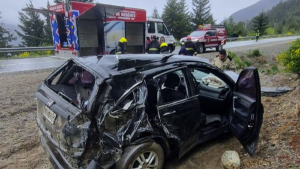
[17, 65]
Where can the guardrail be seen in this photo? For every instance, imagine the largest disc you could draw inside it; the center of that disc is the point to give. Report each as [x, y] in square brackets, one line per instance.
[254, 37]
[25, 49]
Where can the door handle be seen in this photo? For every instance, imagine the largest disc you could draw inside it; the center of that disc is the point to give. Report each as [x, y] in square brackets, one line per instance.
[168, 113]
[234, 100]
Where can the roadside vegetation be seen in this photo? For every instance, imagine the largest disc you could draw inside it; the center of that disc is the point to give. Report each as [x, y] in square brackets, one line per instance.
[290, 58]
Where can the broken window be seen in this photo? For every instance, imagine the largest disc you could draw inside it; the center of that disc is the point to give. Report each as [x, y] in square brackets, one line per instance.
[73, 83]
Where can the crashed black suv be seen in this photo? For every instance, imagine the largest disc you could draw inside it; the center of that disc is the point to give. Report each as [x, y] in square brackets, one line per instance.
[133, 111]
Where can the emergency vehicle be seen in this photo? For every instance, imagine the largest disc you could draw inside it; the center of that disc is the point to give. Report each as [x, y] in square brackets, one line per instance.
[208, 36]
[82, 29]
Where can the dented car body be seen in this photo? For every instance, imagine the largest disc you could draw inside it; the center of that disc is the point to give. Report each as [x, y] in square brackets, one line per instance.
[97, 113]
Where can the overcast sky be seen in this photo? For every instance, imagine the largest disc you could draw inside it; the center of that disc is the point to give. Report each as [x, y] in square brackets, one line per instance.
[220, 8]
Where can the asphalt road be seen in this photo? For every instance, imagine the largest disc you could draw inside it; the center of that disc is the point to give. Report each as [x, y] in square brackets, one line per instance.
[17, 65]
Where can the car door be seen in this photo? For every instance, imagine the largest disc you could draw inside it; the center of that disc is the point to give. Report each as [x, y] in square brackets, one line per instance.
[180, 118]
[247, 116]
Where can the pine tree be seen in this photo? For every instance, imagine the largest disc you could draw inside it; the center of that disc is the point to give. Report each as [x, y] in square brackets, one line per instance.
[155, 14]
[176, 17]
[32, 27]
[47, 28]
[202, 13]
[5, 36]
[260, 22]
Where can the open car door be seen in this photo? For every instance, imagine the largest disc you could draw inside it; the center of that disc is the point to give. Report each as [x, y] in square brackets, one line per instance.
[247, 116]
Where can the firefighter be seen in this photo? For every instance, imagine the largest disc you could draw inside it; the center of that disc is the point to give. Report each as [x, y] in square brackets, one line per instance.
[153, 46]
[190, 47]
[223, 61]
[257, 35]
[121, 47]
[164, 48]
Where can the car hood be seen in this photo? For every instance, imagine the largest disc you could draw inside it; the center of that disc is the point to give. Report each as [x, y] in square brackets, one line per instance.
[234, 76]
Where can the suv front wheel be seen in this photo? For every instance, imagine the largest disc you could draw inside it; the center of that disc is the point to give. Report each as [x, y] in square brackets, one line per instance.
[201, 48]
[142, 156]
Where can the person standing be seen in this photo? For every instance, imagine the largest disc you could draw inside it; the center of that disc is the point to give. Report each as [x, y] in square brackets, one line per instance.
[223, 61]
[121, 47]
[153, 47]
[164, 47]
[257, 35]
[190, 47]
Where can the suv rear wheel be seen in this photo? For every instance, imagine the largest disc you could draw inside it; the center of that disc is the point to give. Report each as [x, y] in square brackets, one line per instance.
[219, 47]
[145, 155]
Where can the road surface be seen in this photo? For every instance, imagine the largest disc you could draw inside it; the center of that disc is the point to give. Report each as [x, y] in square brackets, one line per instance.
[17, 65]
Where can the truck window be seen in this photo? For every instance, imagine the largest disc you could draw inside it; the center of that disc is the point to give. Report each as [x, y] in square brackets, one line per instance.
[161, 28]
[213, 33]
[151, 27]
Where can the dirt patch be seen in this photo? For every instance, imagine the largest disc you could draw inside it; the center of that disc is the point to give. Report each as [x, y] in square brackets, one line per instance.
[20, 146]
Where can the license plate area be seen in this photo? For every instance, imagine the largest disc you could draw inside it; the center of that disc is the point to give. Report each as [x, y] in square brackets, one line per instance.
[50, 115]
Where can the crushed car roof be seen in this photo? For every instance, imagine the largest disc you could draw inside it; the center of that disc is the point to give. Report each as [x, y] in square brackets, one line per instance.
[115, 64]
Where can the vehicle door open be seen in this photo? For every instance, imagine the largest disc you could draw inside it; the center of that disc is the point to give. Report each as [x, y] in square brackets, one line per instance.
[247, 116]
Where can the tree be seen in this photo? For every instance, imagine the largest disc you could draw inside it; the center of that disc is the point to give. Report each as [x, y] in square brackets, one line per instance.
[32, 27]
[229, 26]
[202, 13]
[47, 28]
[260, 22]
[61, 1]
[5, 36]
[177, 18]
[155, 14]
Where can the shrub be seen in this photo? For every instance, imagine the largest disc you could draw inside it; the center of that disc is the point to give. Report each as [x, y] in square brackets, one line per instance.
[273, 70]
[254, 53]
[290, 58]
[24, 55]
[237, 60]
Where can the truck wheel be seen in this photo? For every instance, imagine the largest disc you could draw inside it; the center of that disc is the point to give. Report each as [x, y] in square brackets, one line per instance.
[145, 155]
[219, 47]
[201, 48]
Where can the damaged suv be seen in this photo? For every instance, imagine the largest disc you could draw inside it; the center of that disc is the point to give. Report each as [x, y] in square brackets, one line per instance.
[133, 111]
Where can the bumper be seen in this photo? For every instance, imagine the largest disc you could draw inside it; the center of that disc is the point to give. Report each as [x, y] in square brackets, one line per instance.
[58, 160]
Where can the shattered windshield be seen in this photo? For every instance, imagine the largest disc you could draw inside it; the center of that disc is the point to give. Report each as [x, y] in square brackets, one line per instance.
[73, 83]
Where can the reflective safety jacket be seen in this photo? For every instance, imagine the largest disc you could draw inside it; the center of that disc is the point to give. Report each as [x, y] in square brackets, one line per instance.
[153, 48]
[257, 33]
[120, 49]
[190, 48]
[225, 64]
[164, 48]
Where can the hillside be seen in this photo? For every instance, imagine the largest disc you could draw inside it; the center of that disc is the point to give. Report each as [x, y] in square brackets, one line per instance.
[285, 17]
[253, 10]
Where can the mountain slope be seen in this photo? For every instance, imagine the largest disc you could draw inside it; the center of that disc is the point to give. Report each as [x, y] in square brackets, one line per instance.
[253, 10]
[285, 17]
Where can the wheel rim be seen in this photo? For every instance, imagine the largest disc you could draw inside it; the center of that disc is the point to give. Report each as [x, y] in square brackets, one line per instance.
[201, 49]
[146, 160]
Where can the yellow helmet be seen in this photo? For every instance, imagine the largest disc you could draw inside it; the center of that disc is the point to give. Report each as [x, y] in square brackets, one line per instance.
[123, 40]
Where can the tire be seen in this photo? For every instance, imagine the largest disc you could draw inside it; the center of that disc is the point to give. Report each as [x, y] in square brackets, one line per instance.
[219, 47]
[201, 48]
[132, 156]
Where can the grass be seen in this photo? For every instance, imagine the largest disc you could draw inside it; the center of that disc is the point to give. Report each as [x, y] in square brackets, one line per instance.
[237, 60]
[254, 53]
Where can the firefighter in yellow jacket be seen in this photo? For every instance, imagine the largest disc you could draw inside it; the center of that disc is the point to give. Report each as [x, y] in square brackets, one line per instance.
[223, 61]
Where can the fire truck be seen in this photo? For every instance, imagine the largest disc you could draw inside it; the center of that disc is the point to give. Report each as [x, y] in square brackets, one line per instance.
[208, 36]
[82, 29]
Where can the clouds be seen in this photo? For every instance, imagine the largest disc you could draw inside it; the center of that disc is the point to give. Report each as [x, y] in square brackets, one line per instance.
[220, 8]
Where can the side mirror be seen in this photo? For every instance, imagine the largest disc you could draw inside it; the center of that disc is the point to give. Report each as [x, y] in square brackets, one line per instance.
[207, 35]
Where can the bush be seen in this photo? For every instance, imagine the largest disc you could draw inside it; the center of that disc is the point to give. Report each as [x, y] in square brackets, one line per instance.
[254, 53]
[290, 58]
[273, 70]
[237, 60]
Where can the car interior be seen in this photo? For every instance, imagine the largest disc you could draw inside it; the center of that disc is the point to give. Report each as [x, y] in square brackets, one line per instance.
[214, 96]
[73, 83]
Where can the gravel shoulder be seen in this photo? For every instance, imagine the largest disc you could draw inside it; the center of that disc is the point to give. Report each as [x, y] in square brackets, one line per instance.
[279, 145]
